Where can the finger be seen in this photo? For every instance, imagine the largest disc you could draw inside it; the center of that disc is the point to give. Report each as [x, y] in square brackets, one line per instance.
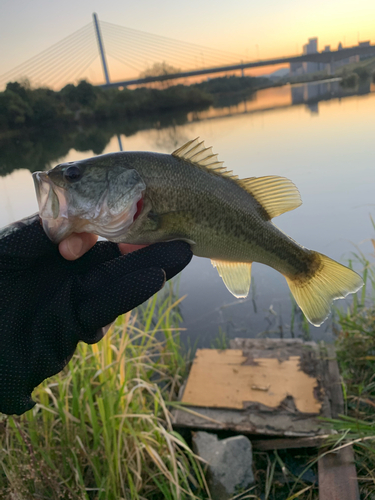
[126, 248]
[76, 245]
[101, 252]
[172, 257]
[103, 305]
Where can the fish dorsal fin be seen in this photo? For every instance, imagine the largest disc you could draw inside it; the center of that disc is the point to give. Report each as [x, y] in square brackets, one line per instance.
[277, 195]
[195, 152]
[236, 276]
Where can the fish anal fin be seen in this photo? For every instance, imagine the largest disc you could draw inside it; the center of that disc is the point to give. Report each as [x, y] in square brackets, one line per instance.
[236, 276]
[277, 195]
[314, 294]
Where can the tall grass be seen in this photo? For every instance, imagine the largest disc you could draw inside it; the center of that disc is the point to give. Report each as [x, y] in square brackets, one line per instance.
[355, 347]
[102, 429]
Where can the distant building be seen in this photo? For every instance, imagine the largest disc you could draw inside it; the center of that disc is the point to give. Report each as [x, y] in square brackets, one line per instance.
[311, 48]
[326, 66]
[311, 67]
[296, 68]
[364, 44]
[306, 67]
[344, 62]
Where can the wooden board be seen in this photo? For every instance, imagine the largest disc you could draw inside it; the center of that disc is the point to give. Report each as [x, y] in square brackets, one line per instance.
[265, 387]
[338, 476]
[288, 443]
[224, 379]
[233, 392]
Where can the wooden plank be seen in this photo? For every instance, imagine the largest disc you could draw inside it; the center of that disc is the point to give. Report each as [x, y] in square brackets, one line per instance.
[337, 470]
[288, 443]
[333, 380]
[255, 417]
[254, 421]
[224, 379]
[338, 476]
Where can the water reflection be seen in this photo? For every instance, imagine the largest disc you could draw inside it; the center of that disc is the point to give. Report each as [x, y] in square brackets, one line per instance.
[36, 151]
[329, 156]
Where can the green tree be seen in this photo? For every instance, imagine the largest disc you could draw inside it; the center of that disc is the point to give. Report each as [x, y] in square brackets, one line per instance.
[14, 111]
[84, 94]
[159, 69]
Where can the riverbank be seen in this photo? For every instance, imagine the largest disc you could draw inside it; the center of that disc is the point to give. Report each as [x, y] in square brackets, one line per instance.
[23, 107]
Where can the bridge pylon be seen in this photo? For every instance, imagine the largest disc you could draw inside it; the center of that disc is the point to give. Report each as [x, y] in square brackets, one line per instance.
[101, 48]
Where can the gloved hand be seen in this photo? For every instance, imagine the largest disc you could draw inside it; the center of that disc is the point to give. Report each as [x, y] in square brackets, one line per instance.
[49, 304]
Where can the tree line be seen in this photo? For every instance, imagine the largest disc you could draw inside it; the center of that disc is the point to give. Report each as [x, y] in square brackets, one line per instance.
[23, 106]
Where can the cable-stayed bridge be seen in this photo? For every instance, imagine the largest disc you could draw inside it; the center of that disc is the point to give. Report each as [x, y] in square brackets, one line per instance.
[128, 53]
[87, 52]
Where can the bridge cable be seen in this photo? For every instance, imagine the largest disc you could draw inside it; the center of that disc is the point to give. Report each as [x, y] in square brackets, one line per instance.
[77, 59]
[82, 65]
[165, 50]
[123, 62]
[46, 53]
[170, 40]
[144, 64]
[147, 52]
[49, 63]
[67, 60]
[114, 51]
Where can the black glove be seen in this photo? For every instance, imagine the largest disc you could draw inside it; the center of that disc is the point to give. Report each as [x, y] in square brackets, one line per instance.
[49, 304]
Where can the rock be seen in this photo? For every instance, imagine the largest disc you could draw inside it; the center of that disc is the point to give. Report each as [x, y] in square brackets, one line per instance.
[229, 463]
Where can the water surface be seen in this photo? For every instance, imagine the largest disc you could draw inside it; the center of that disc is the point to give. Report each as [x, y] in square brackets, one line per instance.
[318, 135]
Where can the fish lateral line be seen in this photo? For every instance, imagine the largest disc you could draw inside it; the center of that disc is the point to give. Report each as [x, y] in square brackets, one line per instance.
[215, 205]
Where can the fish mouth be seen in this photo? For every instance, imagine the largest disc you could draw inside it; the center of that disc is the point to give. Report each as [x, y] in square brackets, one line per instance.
[60, 219]
[53, 207]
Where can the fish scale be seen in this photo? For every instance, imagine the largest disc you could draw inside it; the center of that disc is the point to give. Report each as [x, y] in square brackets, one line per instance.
[189, 195]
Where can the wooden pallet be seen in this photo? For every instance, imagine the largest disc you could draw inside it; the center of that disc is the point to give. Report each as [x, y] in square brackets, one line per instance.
[274, 391]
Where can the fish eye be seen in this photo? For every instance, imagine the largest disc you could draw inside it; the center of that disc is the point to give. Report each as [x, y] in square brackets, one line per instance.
[72, 174]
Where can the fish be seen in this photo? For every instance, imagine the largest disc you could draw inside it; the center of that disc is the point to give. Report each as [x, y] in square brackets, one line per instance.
[146, 197]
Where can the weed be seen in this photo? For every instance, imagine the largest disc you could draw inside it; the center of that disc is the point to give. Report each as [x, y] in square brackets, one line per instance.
[101, 429]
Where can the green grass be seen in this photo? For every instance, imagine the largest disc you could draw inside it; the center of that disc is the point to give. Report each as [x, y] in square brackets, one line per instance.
[102, 429]
[355, 347]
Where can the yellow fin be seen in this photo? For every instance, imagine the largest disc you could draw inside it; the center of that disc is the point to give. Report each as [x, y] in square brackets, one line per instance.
[195, 152]
[236, 276]
[315, 294]
[277, 195]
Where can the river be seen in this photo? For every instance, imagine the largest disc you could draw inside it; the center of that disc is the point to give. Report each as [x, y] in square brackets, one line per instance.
[318, 135]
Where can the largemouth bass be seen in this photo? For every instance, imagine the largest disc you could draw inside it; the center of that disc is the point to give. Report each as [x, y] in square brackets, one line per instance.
[144, 198]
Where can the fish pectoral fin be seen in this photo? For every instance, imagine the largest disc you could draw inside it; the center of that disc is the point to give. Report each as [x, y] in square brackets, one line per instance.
[236, 276]
[277, 195]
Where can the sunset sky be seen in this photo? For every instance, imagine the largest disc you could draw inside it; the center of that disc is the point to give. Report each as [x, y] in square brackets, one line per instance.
[251, 29]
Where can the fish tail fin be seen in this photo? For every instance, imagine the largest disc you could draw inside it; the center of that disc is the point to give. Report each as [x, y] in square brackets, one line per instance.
[315, 292]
